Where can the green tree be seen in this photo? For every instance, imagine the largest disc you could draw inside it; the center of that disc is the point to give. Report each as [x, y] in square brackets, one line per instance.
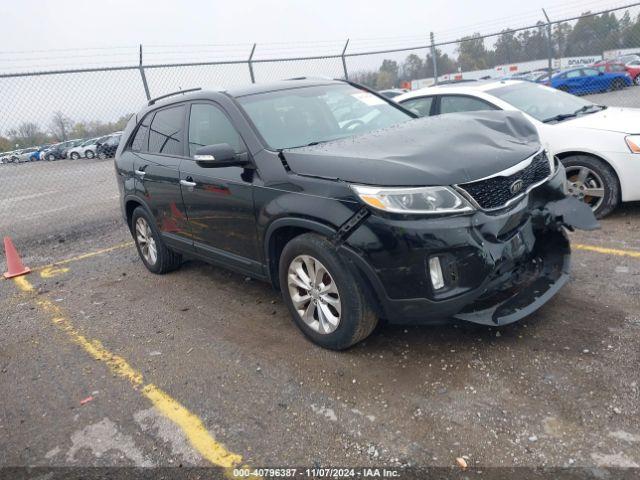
[472, 54]
[508, 48]
[446, 64]
[388, 74]
[412, 68]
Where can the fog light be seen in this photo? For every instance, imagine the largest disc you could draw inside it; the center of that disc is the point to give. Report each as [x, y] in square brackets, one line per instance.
[435, 270]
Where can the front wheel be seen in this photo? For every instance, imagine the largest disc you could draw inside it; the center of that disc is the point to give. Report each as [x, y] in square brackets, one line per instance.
[89, 154]
[637, 80]
[102, 155]
[325, 297]
[594, 182]
[75, 156]
[153, 252]
[51, 157]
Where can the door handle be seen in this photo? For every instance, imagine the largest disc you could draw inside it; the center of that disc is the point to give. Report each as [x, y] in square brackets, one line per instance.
[140, 173]
[187, 183]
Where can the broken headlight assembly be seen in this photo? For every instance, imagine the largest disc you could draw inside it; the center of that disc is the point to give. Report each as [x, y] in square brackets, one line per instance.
[423, 200]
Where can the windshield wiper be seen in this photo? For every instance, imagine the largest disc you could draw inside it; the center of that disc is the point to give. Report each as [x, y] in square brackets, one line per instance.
[582, 110]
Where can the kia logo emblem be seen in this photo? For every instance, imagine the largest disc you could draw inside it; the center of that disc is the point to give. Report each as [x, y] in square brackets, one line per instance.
[516, 186]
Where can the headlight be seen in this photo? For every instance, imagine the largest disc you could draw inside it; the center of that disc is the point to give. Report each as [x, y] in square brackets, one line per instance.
[413, 200]
[633, 142]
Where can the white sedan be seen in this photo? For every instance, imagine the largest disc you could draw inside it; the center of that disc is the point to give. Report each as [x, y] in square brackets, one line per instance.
[598, 145]
[85, 149]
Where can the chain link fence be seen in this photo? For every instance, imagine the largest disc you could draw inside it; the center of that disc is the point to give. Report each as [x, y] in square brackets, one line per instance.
[61, 111]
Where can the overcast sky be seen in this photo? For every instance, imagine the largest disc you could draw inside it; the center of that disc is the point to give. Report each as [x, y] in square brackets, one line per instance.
[41, 35]
[57, 24]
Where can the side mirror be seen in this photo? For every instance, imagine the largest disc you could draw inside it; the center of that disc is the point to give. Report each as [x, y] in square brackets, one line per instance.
[219, 155]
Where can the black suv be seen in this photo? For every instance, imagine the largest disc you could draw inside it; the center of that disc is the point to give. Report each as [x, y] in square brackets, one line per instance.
[349, 205]
[106, 147]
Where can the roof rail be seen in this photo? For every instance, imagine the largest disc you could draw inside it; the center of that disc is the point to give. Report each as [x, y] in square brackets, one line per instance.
[154, 100]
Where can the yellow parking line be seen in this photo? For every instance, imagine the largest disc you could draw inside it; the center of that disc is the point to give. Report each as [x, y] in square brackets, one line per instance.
[607, 251]
[85, 255]
[199, 437]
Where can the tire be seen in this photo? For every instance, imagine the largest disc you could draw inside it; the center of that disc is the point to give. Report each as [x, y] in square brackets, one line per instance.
[102, 155]
[165, 259]
[602, 173]
[563, 88]
[356, 317]
[50, 157]
[618, 84]
[89, 154]
[74, 156]
[637, 80]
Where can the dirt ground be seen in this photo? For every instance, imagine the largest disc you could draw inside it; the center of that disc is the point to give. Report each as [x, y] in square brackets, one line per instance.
[105, 364]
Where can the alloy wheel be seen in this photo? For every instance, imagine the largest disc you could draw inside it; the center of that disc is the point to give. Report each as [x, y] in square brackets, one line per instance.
[586, 185]
[314, 294]
[146, 242]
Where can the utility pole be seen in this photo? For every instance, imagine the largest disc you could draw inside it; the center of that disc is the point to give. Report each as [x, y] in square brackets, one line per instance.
[434, 59]
[250, 63]
[344, 61]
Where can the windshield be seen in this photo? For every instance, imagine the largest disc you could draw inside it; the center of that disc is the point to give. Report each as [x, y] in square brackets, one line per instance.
[541, 102]
[309, 115]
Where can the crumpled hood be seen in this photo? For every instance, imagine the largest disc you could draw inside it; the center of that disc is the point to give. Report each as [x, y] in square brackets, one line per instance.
[613, 119]
[442, 150]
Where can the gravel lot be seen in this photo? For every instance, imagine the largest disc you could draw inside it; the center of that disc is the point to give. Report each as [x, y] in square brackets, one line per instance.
[561, 389]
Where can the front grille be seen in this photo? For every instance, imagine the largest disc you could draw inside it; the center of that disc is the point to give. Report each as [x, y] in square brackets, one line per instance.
[495, 192]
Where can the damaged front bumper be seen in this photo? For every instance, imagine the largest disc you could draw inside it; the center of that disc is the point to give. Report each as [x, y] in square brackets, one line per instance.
[497, 268]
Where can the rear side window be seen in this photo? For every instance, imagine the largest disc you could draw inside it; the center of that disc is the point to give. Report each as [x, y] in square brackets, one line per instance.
[140, 142]
[165, 132]
[458, 103]
[208, 125]
[420, 106]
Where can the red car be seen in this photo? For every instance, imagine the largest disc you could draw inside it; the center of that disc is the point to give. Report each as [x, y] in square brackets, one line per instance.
[632, 68]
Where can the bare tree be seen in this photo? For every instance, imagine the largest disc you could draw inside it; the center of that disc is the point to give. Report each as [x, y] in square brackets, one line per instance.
[26, 134]
[60, 126]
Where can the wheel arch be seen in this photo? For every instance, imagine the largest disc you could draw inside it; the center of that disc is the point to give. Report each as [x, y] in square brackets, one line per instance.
[282, 231]
[132, 202]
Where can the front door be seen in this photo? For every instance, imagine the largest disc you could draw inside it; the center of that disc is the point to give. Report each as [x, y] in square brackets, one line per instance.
[219, 200]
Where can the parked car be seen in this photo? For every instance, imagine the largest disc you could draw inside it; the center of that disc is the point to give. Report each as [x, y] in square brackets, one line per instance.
[86, 149]
[7, 157]
[392, 92]
[71, 144]
[633, 68]
[598, 145]
[107, 147]
[586, 80]
[26, 155]
[402, 218]
[56, 151]
[630, 57]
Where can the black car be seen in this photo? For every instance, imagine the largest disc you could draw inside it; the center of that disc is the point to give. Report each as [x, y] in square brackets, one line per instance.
[56, 151]
[107, 146]
[353, 216]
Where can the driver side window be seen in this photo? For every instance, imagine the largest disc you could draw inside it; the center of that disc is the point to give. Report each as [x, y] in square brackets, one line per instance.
[208, 125]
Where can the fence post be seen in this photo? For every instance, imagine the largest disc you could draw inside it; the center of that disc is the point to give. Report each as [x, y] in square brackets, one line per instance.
[250, 63]
[434, 59]
[344, 60]
[549, 45]
[144, 77]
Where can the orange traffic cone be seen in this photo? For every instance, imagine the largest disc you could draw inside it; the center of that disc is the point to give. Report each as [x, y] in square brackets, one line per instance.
[14, 264]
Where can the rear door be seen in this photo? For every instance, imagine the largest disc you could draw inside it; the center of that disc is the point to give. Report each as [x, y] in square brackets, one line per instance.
[159, 145]
[219, 200]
